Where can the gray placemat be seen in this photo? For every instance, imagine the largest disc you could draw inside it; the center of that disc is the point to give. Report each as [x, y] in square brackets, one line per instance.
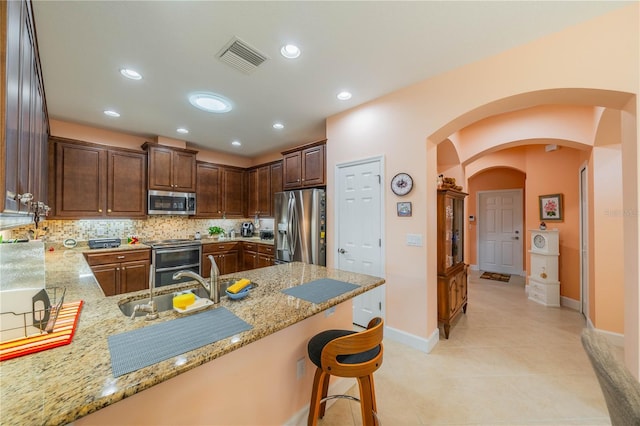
[321, 290]
[146, 346]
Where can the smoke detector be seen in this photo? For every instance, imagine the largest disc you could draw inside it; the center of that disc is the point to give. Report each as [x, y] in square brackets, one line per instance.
[240, 55]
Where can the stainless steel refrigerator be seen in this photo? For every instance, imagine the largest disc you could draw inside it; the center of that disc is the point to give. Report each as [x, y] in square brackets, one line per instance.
[300, 222]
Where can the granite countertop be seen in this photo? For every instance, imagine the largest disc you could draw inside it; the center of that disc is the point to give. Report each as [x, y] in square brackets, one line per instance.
[60, 385]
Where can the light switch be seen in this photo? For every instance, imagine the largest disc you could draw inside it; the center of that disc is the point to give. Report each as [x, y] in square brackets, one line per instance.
[414, 240]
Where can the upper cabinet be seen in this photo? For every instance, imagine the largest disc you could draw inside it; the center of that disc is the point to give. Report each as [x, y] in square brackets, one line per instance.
[208, 190]
[233, 190]
[94, 181]
[23, 115]
[263, 182]
[171, 169]
[304, 166]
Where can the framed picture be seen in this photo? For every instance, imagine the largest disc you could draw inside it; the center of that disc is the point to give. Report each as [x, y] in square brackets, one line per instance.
[404, 208]
[551, 207]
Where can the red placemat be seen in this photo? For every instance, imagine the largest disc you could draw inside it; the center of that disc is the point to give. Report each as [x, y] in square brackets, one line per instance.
[62, 334]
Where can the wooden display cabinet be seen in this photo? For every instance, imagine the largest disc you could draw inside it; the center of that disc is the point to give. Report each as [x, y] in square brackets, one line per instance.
[452, 271]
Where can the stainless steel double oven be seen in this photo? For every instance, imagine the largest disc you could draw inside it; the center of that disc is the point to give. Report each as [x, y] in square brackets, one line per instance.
[171, 256]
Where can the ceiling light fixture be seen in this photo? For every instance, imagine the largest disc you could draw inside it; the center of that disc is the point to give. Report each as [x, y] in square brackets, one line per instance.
[236, 143]
[344, 96]
[278, 126]
[182, 130]
[130, 74]
[210, 102]
[290, 51]
[111, 113]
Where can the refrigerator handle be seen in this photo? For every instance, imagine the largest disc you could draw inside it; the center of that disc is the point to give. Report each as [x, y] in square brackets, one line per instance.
[290, 225]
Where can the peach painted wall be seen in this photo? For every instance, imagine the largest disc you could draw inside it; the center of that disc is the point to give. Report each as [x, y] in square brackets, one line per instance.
[405, 126]
[490, 180]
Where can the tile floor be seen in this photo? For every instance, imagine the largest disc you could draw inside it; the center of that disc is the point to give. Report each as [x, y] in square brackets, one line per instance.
[508, 361]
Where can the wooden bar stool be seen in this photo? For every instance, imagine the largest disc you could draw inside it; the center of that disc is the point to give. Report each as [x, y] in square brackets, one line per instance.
[345, 353]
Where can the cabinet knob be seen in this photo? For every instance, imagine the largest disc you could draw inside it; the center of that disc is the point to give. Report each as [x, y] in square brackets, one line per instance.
[117, 269]
[120, 257]
[99, 210]
[108, 210]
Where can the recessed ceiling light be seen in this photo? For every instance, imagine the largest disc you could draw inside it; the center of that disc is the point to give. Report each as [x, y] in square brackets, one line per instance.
[236, 143]
[182, 130]
[130, 74]
[278, 126]
[111, 113]
[344, 96]
[290, 51]
[210, 102]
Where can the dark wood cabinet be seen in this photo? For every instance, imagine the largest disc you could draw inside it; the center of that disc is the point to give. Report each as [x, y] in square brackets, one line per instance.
[304, 167]
[226, 254]
[233, 190]
[263, 181]
[266, 255]
[120, 272]
[93, 181]
[208, 190]
[452, 271]
[23, 113]
[171, 169]
[249, 256]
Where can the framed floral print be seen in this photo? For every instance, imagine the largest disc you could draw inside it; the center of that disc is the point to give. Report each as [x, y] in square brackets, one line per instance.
[551, 207]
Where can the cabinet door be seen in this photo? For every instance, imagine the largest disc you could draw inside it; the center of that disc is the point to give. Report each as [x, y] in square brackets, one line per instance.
[313, 166]
[252, 192]
[264, 191]
[108, 277]
[249, 260]
[184, 171]
[80, 186]
[292, 170]
[233, 192]
[160, 168]
[208, 190]
[126, 184]
[230, 262]
[134, 276]
[276, 183]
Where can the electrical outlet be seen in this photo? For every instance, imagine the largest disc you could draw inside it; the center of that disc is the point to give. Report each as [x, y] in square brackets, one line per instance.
[329, 311]
[300, 368]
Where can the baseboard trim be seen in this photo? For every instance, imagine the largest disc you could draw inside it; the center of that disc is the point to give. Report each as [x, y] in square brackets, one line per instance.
[419, 343]
[474, 267]
[339, 386]
[570, 303]
[616, 339]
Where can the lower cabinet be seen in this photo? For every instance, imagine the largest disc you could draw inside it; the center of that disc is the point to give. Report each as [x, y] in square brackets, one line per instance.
[122, 271]
[226, 255]
[232, 257]
[452, 296]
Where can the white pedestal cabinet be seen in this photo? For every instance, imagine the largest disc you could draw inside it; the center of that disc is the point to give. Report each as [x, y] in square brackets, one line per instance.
[544, 286]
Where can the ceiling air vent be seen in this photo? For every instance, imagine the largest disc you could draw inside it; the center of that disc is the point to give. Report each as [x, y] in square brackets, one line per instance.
[241, 56]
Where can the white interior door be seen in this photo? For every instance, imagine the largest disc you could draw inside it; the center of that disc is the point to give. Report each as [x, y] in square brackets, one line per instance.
[500, 235]
[359, 231]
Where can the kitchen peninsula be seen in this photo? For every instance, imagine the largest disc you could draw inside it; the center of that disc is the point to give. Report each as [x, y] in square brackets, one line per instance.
[251, 377]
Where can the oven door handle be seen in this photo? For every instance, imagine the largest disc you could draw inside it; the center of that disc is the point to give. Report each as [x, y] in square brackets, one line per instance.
[177, 268]
[177, 250]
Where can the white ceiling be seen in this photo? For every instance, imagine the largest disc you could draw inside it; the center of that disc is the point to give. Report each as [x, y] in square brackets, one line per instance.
[368, 48]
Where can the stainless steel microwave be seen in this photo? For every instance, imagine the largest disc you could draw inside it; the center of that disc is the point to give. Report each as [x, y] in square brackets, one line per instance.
[168, 202]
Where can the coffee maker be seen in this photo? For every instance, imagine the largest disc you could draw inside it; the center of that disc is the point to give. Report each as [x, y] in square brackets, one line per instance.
[247, 229]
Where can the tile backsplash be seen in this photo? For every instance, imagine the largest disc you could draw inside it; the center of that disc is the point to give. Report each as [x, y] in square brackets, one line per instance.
[152, 228]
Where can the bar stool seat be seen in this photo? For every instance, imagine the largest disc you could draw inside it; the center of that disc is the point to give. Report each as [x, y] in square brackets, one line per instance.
[346, 353]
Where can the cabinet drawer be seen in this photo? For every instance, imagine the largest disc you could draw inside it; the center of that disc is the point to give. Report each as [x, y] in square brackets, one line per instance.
[117, 257]
[250, 246]
[265, 249]
[218, 247]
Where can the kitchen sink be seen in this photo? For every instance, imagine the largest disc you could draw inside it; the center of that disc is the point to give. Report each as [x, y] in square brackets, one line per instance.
[164, 302]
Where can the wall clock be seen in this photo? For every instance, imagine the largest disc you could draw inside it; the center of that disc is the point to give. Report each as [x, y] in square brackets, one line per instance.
[539, 241]
[544, 242]
[402, 184]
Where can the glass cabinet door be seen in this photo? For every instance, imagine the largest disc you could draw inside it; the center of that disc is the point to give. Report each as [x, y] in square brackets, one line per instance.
[454, 231]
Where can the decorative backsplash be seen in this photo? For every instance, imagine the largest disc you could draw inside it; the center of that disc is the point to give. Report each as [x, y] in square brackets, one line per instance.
[152, 228]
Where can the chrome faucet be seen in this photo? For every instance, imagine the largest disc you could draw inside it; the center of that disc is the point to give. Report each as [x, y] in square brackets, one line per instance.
[149, 307]
[212, 286]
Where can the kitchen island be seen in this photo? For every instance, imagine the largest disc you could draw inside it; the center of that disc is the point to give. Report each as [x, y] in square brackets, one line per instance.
[62, 385]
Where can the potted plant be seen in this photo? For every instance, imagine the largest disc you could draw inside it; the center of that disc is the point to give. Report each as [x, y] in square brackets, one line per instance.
[215, 231]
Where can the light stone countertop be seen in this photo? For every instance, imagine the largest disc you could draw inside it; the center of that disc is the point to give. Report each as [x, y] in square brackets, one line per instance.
[60, 385]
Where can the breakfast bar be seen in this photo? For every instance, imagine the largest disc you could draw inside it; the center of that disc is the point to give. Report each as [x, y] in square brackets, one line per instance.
[255, 376]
